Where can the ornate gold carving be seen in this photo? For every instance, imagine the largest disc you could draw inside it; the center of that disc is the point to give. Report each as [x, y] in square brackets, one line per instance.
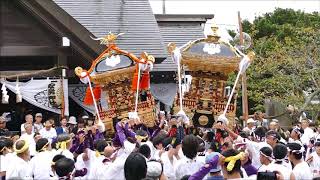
[209, 63]
[203, 120]
[171, 47]
[78, 71]
[113, 76]
[108, 39]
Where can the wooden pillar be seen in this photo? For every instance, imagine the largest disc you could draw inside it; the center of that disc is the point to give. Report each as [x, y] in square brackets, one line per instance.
[245, 110]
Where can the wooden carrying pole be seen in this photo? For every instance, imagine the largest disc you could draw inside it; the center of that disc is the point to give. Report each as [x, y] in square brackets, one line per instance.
[245, 110]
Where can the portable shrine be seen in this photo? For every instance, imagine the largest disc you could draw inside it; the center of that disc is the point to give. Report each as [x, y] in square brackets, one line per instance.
[121, 76]
[209, 61]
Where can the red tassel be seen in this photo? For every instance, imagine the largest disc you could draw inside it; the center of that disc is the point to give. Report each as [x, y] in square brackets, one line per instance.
[88, 99]
[135, 79]
[145, 81]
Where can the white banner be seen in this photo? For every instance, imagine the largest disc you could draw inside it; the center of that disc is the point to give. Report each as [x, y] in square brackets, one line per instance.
[46, 94]
[77, 93]
[165, 92]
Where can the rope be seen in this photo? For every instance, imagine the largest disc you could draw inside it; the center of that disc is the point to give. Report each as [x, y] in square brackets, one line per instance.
[31, 74]
[137, 93]
[179, 79]
[94, 100]
[231, 94]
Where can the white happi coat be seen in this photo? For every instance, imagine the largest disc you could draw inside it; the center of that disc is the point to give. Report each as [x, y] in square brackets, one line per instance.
[41, 165]
[18, 169]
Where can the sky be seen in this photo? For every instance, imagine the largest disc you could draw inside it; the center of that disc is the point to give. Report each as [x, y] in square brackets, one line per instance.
[225, 12]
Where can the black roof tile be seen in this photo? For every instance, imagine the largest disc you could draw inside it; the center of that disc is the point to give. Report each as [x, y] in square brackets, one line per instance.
[133, 17]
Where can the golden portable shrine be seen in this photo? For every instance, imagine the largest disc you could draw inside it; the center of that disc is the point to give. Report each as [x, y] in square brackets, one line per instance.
[116, 72]
[209, 61]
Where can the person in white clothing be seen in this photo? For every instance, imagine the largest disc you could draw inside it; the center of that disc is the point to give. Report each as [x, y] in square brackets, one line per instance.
[63, 145]
[116, 169]
[295, 135]
[109, 154]
[188, 164]
[280, 164]
[250, 127]
[41, 162]
[48, 132]
[38, 123]
[29, 120]
[20, 167]
[308, 132]
[64, 168]
[6, 154]
[265, 158]
[90, 160]
[29, 136]
[314, 160]
[301, 169]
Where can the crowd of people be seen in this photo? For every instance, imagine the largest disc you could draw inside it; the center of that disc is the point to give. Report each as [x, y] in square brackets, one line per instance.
[173, 149]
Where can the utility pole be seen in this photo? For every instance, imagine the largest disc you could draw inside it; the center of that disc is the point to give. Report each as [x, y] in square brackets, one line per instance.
[245, 111]
[163, 6]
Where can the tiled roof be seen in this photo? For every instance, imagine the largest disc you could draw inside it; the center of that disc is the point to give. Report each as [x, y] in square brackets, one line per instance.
[132, 17]
[179, 33]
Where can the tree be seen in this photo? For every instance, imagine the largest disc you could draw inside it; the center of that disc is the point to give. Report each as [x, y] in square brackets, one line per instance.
[287, 63]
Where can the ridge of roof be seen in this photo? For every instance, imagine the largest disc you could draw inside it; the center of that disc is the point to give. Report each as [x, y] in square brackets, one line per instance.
[202, 18]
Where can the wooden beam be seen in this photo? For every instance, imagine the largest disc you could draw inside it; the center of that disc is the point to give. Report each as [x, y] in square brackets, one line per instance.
[60, 22]
[32, 51]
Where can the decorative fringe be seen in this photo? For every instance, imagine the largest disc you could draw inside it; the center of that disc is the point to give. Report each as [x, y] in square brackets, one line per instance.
[145, 81]
[134, 82]
[88, 99]
[135, 79]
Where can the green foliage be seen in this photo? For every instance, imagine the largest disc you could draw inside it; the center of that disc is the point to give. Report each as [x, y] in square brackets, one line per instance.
[287, 63]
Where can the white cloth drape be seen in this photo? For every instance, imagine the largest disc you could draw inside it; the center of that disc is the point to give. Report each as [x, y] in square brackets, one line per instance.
[37, 93]
[165, 92]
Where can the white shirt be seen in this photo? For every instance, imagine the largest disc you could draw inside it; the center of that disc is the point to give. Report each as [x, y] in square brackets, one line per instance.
[51, 134]
[307, 135]
[186, 166]
[116, 169]
[254, 150]
[94, 163]
[6, 161]
[18, 169]
[32, 144]
[168, 166]
[38, 127]
[263, 168]
[23, 130]
[65, 152]
[302, 171]
[315, 164]
[281, 168]
[41, 165]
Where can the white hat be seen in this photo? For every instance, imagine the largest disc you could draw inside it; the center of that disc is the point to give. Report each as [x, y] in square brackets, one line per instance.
[72, 120]
[154, 169]
[38, 115]
[250, 120]
[162, 112]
